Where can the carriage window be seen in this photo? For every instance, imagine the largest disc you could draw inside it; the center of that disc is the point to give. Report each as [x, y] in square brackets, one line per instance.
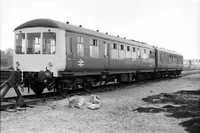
[145, 55]
[114, 51]
[94, 42]
[80, 39]
[122, 47]
[80, 46]
[152, 54]
[145, 51]
[94, 48]
[20, 43]
[133, 49]
[49, 43]
[114, 46]
[80, 49]
[33, 43]
[128, 48]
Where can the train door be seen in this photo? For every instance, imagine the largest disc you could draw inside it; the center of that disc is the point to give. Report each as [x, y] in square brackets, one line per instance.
[138, 61]
[106, 56]
[69, 51]
[138, 54]
[157, 59]
[79, 53]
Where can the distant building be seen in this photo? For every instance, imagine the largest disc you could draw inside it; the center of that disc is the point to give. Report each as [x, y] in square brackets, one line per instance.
[191, 63]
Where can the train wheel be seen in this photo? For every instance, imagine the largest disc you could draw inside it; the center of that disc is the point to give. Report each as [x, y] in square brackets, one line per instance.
[37, 90]
[62, 87]
[87, 86]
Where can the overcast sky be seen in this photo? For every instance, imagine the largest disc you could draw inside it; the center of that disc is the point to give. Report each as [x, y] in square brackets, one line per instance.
[171, 24]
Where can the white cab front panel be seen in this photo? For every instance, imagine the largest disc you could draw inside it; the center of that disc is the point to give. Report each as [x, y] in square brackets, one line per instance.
[38, 62]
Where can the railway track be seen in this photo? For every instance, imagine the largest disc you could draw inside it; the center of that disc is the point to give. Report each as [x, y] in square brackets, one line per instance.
[10, 102]
[4, 76]
[29, 100]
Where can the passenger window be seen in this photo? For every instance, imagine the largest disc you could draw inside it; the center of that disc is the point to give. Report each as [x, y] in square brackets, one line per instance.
[94, 42]
[20, 44]
[34, 43]
[114, 46]
[151, 54]
[133, 49]
[115, 52]
[80, 39]
[145, 54]
[145, 51]
[128, 48]
[122, 52]
[122, 47]
[94, 48]
[80, 46]
[49, 43]
[128, 53]
[80, 49]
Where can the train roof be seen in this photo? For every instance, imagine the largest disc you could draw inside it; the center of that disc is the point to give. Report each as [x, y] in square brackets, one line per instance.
[168, 51]
[68, 27]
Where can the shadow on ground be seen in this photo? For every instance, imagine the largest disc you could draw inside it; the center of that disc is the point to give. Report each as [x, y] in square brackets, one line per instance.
[181, 104]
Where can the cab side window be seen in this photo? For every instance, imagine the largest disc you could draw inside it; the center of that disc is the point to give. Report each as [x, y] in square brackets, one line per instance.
[20, 43]
[49, 43]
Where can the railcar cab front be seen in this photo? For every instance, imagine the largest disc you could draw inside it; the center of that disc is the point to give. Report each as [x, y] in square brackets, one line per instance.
[37, 49]
[39, 56]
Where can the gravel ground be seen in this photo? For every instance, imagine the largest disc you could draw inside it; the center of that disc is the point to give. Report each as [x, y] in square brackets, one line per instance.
[116, 114]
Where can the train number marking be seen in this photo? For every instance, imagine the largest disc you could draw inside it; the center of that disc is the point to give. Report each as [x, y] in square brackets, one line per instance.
[81, 63]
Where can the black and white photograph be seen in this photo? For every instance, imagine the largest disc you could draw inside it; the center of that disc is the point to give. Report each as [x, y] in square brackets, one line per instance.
[100, 66]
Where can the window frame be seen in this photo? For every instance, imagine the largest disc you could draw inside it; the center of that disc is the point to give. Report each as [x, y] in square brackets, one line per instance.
[80, 46]
[35, 30]
[122, 47]
[25, 38]
[42, 37]
[133, 49]
[115, 46]
[94, 44]
[128, 48]
[41, 45]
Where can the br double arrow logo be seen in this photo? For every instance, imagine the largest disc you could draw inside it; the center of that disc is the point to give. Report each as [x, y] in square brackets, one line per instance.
[81, 63]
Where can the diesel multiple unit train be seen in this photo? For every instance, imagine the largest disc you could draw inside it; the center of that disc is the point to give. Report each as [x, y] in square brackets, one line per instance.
[52, 54]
